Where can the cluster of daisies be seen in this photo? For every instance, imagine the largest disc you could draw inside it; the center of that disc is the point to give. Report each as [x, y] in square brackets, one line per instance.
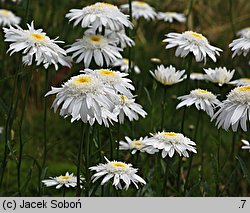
[106, 96]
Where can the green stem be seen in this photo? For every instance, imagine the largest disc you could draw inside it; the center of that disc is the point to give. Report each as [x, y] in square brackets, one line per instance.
[179, 174]
[163, 107]
[45, 119]
[165, 181]
[218, 163]
[111, 144]
[78, 187]
[64, 191]
[118, 140]
[191, 155]
[231, 17]
[87, 163]
[20, 133]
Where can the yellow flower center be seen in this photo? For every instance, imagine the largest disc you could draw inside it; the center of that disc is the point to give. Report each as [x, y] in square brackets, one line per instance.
[245, 89]
[102, 4]
[197, 35]
[65, 177]
[137, 144]
[123, 98]
[203, 91]
[83, 79]
[125, 60]
[140, 3]
[37, 36]
[171, 134]
[95, 38]
[5, 12]
[107, 72]
[119, 164]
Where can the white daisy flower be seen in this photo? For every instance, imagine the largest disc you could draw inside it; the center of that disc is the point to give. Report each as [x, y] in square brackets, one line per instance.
[35, 44]
[68, 180]
[234, 111]
[171, 16]
[246, 144]
[122, 173]
[168, 75]
[193, 42]
[241, 45]
[243, 31]
[137, 145]
[241, 82]
[197, 76]
[115, 79]
[127, 107]
[85, 97]
[95, 47]
[140, 9]
[124, 65]
[202, 99]
[98, 15]
[219, 75]
[169, 142]
[7, 18]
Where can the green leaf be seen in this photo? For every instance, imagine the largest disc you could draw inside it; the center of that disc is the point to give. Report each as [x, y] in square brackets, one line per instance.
[244, 168]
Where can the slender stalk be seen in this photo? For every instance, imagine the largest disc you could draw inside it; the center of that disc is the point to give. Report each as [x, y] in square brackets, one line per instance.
[165, 181]
[20, 133]
[163, 108]
[99, 143]
[130, 33]
[87, 163]
[189, 66]
[45, 119]
[64, 191]
[78, 188]
[218, 163]
[179, 174]
[111, 144]
[191, 155]
[118, 140]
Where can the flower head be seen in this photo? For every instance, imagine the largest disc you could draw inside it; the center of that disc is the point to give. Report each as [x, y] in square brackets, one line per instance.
[85, 97]
[124, 65]
[171, 16]
[241, 82]
[115, 79]
[7, 18]
[193, 42]
[219, 75]
[202, 99]
[36, 44]
[96, 47]
[241, 45]
[234, 110]
[140, 9]
[137, 145]
[68, 180]
[169, 142]
[98, 15]
[168, 75]
[126, 106]
[243, 31]
[123, 174]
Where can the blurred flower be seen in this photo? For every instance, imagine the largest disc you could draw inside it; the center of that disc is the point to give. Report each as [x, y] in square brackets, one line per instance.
[203, 100]
[98, 15]
[193, 42]
[124, 65]
[8, 18]
[1, 129]
[170, 16]
[169, 142]
[241, 82]
[123, 174]
[234, 110]
[140, 9]
[137, 145]
[35, 43]
[115, 79]
[168, 75]
[197, 76]
[68, 180]
[85, 97]
[95, 47]
[241, 45]
[243, 31]
[156, 60]
[127, 107]
[219, 75]
[246, 144]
